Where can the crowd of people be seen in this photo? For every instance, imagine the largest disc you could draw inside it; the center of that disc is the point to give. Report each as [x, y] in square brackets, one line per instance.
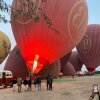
[28, 81]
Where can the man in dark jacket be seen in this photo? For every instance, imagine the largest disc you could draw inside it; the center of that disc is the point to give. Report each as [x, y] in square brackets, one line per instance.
[25, 84]
[49, 82]
[29, 82]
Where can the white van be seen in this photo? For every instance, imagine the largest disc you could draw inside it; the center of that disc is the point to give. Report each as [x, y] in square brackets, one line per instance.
[5, 78]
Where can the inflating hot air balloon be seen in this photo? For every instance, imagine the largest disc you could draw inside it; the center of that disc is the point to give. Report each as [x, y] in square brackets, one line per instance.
[16, 64]
[68, 69]
[89, 47]
[74, 59]
[52, 69]
[5, 46]
[63, 61]
[60, 27]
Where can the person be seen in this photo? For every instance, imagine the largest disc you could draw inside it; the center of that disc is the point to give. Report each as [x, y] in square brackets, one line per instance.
[4, 80]
[39, 83]
[25, 84]
[29, 82]
[73, 76]
[19, 83]
[50, 83]
[93, 95]
[14, 82]
[35, 81]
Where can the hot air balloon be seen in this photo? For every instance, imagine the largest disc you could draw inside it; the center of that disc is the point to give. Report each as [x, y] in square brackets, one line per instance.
[89, 47]
[61, 25]
[63, 61]
[68, 69]
[51, 69]
[16, 64]
[5, 46]
[74, 59]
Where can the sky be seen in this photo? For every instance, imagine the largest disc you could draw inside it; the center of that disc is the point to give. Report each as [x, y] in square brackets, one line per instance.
[93, 13]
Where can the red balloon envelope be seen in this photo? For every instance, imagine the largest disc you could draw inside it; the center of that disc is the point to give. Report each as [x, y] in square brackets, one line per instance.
[89, 47]
[75, 61]
[41, 44]
[16, 64]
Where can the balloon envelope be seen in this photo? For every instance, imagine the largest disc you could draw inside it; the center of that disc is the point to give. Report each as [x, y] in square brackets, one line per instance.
[5, 46]
[42, 44]
[16, 64]
[63, 61]
[68, 69]
[51, 69]
[89, 47]
[74, 59]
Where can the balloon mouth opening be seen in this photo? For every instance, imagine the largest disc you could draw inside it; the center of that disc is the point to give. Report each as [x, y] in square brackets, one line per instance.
[35, 62]
[90, 69]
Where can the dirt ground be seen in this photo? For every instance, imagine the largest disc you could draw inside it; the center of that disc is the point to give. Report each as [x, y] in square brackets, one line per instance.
[63, 89]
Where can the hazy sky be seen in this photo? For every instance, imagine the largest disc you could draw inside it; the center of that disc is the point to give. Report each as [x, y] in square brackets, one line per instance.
[94, 11]
[94, 18]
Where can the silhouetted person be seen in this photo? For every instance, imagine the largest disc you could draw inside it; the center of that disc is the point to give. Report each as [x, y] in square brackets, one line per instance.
[4, 79]
[19, 83]
[73, 76]
[29, 82]
[35, 81]
[39, 83]
[50, 83]
[14, 82]
[25, 84]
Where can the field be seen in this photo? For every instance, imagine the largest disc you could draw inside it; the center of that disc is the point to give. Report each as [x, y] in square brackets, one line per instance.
[65, 88]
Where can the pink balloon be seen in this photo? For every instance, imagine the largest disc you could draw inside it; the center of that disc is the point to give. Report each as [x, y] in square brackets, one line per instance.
[64, 60]
[16, 64]
[89, 47]
[68, 69]
[75, 61]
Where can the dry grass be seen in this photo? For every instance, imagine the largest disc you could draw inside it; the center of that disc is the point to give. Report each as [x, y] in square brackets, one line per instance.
[63, 89]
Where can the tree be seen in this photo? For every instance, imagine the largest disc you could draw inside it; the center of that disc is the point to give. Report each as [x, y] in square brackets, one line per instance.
[3, 8]
[30, 10]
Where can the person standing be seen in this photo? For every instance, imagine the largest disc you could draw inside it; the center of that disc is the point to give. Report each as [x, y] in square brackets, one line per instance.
[35, 81]
[19, 83]
[73, 76]
[29, 82]
[25, 84]
[4, 79]
[39, 83]
[14, 82]
[50, 83]
[94, 93]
